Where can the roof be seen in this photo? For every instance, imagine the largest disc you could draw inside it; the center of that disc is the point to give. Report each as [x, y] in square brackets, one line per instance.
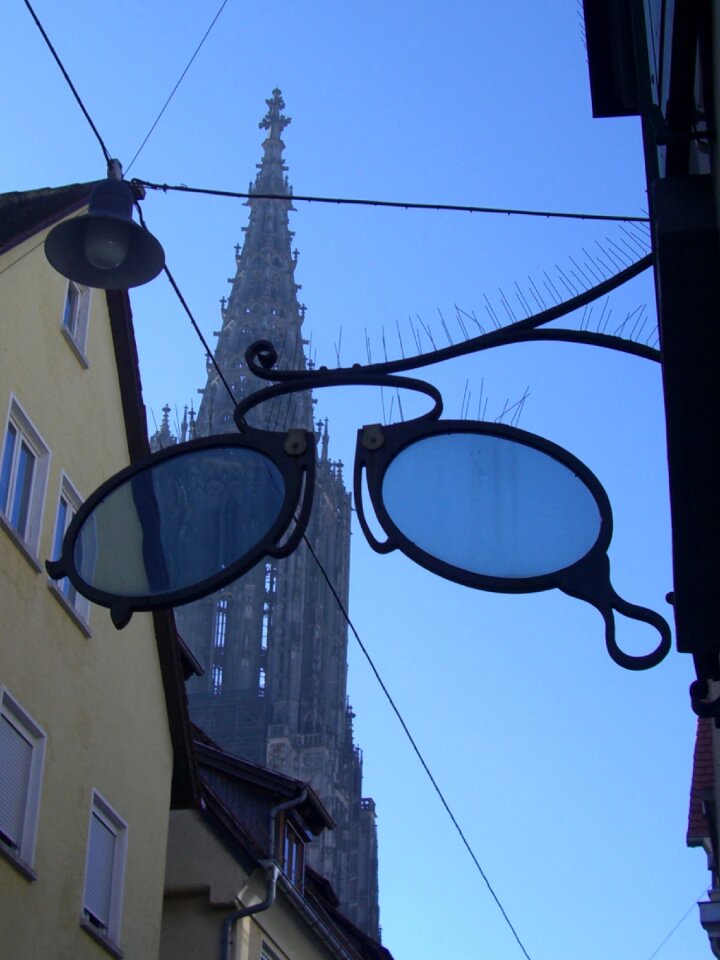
[320, 893]
[703, 779]
[277, 786]
[25, 213]
[317, 905]
[191, 664]
[233, 834]
[185, 784]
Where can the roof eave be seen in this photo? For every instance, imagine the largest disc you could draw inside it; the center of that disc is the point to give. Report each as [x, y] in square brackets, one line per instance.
[185, 789]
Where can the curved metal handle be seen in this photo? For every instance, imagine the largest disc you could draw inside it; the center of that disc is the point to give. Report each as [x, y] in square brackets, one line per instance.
[590, 581]
[635, 612]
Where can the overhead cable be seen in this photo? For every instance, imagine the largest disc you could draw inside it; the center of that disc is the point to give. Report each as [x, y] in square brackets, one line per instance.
[180, 80]
[415, 747]
[396, 204]
[369, 659]
[65, 74]
[682, 919]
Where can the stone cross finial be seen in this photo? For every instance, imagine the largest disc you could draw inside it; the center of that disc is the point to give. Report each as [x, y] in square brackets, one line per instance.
[274, 120]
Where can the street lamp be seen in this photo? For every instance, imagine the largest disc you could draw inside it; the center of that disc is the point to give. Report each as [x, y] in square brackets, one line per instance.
[105, 248]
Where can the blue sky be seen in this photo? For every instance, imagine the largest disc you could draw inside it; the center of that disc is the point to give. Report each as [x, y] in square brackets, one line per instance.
[569, 776]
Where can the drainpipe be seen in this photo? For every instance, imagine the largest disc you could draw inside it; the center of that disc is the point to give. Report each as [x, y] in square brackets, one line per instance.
[287, 805]
[271, 871]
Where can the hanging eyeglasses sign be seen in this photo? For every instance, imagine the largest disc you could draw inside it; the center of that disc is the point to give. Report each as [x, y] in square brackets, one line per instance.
[486, 505]
[184, 522]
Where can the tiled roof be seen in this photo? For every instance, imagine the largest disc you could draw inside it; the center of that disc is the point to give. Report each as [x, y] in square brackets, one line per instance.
[703, 782]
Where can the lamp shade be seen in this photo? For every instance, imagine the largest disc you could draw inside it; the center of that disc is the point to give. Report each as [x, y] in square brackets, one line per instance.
[105, 248]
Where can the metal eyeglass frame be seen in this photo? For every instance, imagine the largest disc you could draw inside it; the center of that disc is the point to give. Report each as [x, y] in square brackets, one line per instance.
[293, 454]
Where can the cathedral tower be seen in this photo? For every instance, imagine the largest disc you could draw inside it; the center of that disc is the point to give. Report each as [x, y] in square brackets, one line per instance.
[274, 643]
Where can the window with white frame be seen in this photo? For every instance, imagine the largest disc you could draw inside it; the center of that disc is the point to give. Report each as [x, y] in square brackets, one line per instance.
[22, 755]
[23, 477]
[76, 315]
[104, 870]
[68, 504]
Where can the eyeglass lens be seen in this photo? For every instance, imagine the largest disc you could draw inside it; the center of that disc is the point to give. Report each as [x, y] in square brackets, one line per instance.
[179, 522]
[490, 505]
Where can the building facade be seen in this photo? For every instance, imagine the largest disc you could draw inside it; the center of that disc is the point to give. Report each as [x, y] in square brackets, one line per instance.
[237, 884]
[273, 644]
[94, 736]
[661, 62]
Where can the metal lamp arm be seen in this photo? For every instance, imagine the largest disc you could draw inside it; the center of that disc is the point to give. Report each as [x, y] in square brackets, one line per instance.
[261, 356]
[511, 333]
[587, 337]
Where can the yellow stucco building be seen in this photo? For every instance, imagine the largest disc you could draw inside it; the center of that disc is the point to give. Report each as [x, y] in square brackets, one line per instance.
[94, 743]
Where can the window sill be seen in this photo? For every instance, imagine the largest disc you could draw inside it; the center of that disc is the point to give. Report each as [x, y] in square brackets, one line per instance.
[20, 544]
[69, 609]
[75, 347]
[99, 937]
[15, 860]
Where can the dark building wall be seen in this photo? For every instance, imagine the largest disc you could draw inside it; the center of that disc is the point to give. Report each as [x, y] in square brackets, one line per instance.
[274, 643]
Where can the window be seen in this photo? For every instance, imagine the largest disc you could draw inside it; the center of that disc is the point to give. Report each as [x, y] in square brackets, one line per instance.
[23, 478]
[293, 855]
[221, 610]
[104, 871]
[22, 754]
[68, 505]
[76, 314]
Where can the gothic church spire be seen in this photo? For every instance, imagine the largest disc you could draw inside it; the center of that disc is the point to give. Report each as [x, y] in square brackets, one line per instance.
[274, 642]
[263, 302]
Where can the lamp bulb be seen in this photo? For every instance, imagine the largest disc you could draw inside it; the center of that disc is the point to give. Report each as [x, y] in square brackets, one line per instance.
[107, 242]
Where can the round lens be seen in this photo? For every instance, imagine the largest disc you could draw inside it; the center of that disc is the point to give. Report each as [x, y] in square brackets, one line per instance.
[179, 522]
[490, 505]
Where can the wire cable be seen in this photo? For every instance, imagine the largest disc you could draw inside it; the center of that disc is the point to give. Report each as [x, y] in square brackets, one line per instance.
[404, 205]
[415, 747]
[397, 204]
[188, 311]
[174, 89]
[65, 74]
[198, 331]
[106, 153]
[682, 919]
